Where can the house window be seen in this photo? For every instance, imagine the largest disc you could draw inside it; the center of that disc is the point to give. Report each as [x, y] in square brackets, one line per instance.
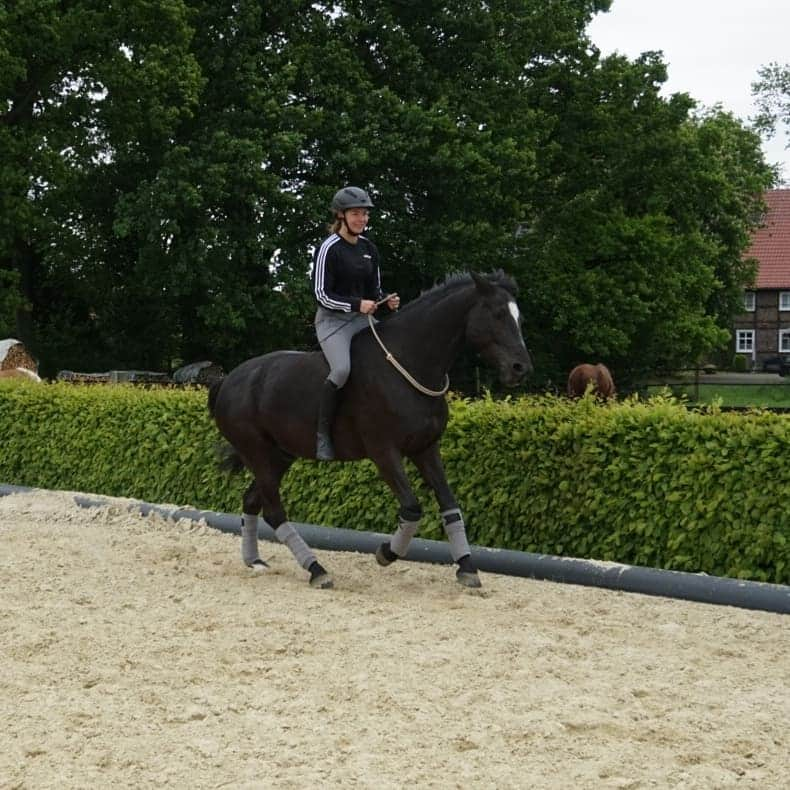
[784, 300]
[744, 341]
[784, 341]
[748, 301]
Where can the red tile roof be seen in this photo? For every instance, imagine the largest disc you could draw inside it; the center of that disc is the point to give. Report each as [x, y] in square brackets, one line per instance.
[771, 243]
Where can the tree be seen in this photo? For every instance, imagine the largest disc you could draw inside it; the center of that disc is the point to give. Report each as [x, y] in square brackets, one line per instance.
[86, 87]
[772, 94]
[10, 302]
[167, 166]
[634, 258]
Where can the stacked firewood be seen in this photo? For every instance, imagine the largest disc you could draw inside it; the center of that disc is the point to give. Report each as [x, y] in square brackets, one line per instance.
[204, 373]
[83, 378]
[13, 354]
[114, 377]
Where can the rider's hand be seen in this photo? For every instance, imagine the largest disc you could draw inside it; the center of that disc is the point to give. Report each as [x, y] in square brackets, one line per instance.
[393, 302]
[367, 306]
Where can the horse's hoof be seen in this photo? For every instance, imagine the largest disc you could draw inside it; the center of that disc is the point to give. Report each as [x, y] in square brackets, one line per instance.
[467, 573]
[319, 578]
[322, 582]
[468, 578]
[385, 555]
[258, 566]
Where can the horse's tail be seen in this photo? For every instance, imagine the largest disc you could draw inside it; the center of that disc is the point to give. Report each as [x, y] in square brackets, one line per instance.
[229, 459]
[213, 391]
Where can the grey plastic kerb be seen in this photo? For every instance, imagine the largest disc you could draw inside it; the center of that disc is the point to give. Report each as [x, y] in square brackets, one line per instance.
[611, 576]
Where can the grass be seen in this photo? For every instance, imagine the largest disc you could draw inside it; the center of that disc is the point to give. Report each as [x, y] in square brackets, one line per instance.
[757, 395]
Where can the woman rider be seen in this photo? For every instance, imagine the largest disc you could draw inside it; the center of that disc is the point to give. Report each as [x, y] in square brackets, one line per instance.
[347, 286]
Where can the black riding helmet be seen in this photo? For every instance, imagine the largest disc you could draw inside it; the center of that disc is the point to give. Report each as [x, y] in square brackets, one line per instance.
[351, 197]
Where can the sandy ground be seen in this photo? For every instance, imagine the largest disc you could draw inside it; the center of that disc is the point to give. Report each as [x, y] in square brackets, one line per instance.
[137, 652]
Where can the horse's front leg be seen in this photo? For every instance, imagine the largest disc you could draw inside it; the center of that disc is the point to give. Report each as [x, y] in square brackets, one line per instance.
[391, 471]
[429, 464]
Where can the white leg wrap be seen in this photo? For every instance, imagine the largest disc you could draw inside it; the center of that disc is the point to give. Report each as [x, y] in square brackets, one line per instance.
[399, 542]
[456, 533]
[286, 533]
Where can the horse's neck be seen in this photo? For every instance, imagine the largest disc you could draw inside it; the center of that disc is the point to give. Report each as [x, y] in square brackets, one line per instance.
[430, 341]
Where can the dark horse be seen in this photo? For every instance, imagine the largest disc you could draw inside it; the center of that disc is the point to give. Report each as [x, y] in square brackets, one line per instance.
[267, 409]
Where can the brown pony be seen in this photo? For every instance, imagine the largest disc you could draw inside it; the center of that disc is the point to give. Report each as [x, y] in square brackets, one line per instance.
[19, 373]
[598, 376]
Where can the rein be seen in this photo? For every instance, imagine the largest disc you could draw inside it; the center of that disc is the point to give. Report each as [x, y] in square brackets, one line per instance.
[405, 373]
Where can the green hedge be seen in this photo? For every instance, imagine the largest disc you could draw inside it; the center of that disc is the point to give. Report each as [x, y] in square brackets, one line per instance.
[644, 483]
[157, 445]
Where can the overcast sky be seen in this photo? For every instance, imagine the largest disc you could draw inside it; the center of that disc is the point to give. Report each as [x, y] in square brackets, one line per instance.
[712, 48]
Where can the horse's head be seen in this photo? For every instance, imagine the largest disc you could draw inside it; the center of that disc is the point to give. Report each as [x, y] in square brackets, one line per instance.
[493, 328]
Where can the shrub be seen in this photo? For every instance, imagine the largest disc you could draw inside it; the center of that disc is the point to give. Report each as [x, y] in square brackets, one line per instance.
[646, 483]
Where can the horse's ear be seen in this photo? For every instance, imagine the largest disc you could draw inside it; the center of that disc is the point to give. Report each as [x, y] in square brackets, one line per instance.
[484, 285]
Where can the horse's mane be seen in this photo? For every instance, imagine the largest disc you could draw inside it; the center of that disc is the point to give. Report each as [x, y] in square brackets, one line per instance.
[454, 282]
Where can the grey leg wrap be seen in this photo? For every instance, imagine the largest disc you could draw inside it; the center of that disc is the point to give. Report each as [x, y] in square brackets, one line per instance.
[249, 538]
[286, 533]
[399, 542]
[456, 533]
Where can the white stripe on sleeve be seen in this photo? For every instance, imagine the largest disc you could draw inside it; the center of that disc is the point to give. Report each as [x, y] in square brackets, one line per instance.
[320, 272]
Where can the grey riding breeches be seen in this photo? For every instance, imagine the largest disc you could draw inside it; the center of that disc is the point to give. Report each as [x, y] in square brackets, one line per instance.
[335, 331]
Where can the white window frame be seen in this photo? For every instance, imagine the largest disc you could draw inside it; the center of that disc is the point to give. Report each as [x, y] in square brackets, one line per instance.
[744, 341]
[749, 301]
[784, 300]
[784, 341]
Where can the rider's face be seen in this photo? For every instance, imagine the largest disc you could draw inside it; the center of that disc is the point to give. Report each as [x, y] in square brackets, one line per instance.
[357, 219]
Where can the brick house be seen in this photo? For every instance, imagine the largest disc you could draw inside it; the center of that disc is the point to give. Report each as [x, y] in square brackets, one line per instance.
[762, 331]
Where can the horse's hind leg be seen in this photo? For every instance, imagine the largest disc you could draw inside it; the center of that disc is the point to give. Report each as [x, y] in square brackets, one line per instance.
[252, 505]
[269, 466]
[429, 464]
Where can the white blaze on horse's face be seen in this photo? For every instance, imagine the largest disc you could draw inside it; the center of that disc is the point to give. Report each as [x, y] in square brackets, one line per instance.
[513, 307]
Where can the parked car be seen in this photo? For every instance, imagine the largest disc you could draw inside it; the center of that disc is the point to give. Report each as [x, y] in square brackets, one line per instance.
[779, 364]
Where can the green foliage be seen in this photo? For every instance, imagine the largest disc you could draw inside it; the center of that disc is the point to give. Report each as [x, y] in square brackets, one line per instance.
[10, 302]
[646, 483]
[772, 95]
[121, 441]
[167, 165]
[635, 258]
[740, 395]
[92, 97]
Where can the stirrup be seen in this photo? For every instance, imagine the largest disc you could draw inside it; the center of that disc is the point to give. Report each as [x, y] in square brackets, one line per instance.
[324, 451]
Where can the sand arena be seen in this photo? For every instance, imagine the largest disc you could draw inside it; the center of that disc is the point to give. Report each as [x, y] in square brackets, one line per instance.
[139, 652]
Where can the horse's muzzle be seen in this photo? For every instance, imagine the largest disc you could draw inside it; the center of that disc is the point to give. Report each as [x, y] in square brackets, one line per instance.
[513, 372]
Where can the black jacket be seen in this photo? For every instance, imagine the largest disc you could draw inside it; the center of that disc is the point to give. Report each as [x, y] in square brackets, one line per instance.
[344, 274]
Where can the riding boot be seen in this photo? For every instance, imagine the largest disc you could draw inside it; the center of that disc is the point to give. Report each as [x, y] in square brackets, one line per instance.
[326, 414]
